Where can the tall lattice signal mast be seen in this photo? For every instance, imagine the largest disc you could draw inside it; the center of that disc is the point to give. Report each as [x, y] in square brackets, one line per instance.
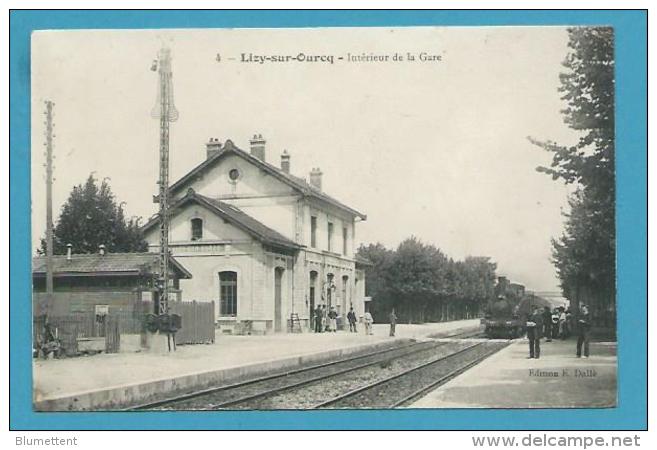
[166, 112]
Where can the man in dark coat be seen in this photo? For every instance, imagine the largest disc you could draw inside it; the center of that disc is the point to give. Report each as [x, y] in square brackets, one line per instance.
[318, 319]
[534, 332]
[351, 317]
[583, 331]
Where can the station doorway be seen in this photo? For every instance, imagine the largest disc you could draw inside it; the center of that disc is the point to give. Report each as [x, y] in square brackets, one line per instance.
[278, 300]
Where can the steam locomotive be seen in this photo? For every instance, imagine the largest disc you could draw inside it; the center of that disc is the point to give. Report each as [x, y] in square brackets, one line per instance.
[506, 316]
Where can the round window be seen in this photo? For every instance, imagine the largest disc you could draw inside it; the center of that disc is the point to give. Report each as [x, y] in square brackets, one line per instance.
[234, 174]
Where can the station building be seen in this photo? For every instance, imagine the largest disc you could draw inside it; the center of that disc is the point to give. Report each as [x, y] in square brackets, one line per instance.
[266, 246]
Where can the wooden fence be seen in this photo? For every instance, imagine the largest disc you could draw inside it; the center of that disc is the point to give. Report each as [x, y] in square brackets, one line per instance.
[72, 328]
[197, 320]
[197, 326]
[112, 334]
[441, 311]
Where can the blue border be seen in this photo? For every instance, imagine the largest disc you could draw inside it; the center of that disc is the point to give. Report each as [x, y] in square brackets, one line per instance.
[631, 48]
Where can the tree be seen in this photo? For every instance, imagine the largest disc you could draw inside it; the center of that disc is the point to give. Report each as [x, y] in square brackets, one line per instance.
[585, 254]
[587, 87]
[417, 278]
[377, 285]
[90, 217]
[479, 283]
[423, 284]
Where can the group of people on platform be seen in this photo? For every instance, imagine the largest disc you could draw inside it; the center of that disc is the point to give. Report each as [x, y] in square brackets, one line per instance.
[559, 323]
[325, 320]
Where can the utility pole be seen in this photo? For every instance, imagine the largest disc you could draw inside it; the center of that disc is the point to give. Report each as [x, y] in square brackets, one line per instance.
[49, 225]
[166, 112]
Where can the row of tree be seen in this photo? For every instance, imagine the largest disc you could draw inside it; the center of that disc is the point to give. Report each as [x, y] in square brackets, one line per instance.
[585, 254]
[423, 284]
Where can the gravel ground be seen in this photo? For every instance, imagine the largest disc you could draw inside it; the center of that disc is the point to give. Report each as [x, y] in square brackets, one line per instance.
[307, 396]
[213, 399]
[389, 393]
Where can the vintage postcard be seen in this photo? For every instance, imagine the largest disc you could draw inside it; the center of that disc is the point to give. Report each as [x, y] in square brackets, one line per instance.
[410, 218]
[324, 218]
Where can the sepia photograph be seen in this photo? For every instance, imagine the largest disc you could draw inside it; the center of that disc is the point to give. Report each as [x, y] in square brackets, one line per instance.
[318, 218]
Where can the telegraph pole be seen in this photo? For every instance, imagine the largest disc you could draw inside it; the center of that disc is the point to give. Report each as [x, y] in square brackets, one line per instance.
[166, 112]
[49, 225]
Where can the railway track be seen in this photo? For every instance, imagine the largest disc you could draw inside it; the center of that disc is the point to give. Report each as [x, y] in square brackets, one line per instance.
[403, 388]
[224, 397]
[311, 395]
[384, 379]
[470, 334]
[457, 334]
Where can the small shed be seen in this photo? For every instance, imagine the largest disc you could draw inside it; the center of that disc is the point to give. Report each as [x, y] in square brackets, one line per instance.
[101, 283]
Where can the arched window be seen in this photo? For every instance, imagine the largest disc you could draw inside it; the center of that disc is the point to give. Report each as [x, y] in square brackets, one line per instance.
[227, 293]
[197, 229]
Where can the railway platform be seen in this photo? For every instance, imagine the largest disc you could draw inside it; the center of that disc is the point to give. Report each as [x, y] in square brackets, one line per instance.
[557, 380]
[110, 381]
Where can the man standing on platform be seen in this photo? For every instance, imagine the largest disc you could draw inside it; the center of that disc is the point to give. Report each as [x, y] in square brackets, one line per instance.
[324, 318]
[583, 331]
[318, 319]
[351, 317]
[534, 331]
[393, 322]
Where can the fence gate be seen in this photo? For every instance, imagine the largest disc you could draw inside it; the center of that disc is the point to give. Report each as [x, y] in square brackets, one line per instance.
[197, 322]
[112, 334]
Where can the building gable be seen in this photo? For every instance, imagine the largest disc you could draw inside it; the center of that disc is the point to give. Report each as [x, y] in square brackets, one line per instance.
[213, 227]
[181, 215]
[233, 176]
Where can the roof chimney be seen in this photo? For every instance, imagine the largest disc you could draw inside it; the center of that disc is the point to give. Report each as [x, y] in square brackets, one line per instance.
[69, 248]
[316, 178]
[213, 147]
[258, 146]
[101, 249]
[285, 162]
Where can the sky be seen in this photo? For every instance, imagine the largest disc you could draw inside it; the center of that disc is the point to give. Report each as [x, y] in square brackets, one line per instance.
[435, 149]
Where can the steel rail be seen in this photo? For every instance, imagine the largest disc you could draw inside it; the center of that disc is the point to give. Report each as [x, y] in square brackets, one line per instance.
[445, 378]
[213, 390]
[464, 335]
[394, 377]
[278, 390]
[459, 334]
